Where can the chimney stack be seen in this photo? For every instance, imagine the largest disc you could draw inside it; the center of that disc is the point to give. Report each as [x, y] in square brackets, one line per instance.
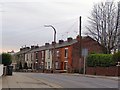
[78, 38]
[46, 44]
[32, 47]
[61, 41]
[69, 39]
[53, 43]
[36, 46]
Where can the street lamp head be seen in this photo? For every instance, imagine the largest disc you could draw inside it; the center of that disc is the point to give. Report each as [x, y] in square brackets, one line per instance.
[51, 27]
[47, 25]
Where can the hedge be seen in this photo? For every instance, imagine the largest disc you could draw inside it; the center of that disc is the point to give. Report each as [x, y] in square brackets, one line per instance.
[116, 56]
[102, 60]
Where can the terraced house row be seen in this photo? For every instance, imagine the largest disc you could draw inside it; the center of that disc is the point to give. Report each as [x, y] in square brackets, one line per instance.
[66, 55]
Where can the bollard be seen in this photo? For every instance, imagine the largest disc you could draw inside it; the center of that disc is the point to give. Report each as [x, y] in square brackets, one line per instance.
[4, 70]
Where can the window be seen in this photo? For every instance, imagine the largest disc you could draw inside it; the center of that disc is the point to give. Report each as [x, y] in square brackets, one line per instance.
[36, 55]
[27, 57]
[42, 54]
[31, 57]
[58, 53]
[65, 65]
[66, 52]
[48, 54]
[48, 65]
[56, 65]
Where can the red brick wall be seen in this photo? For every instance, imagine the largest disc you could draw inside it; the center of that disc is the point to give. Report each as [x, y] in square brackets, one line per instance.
[88, 43]
[91, 45]
[104, 71]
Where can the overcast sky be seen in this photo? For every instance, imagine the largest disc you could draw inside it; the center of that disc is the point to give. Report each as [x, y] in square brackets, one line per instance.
[22, 21]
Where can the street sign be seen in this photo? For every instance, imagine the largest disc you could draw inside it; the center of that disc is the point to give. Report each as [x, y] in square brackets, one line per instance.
[84, 52]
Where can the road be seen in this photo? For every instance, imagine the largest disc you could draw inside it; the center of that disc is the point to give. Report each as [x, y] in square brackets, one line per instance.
[72, 81]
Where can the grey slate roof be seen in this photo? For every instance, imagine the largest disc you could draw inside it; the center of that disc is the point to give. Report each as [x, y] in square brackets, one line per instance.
[57, 45]
[65, 43]
[24, 51]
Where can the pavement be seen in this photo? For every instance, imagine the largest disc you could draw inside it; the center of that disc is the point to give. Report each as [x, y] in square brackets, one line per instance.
[22, 81]
[96, 76]
[66, 80]
[39, 80]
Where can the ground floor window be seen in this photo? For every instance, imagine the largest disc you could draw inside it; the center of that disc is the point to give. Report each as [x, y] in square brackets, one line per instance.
[65, 65]
[48, 65]
[56, 65]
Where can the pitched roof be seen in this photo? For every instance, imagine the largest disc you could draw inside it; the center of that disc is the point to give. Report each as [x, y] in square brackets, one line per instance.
[23, 51]
[50, 46]
[57, 45]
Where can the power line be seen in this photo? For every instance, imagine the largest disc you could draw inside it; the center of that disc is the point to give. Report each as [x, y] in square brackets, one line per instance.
[68, 31]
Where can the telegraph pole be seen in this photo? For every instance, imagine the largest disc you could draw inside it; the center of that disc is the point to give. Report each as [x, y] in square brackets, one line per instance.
[80, 43]
[80, 38]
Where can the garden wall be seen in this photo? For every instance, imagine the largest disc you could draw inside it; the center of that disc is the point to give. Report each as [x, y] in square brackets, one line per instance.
[104, 71]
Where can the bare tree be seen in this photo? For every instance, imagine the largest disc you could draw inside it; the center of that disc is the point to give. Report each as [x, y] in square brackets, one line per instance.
[103, 25]
[118, 26]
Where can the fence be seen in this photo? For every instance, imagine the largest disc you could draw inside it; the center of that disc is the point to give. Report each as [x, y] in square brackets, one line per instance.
[104, 71]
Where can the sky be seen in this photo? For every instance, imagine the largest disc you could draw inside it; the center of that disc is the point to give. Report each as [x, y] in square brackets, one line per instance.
[22, 21]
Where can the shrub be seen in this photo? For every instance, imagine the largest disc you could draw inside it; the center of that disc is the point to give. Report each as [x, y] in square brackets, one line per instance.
[116, 57]
[6, 59]
[102, 60]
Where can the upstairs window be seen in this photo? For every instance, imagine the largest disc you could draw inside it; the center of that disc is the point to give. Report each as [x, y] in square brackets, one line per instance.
[42, 54]
[37, 55]
[48, 54]
[66, 52]
[58, 53]
[31, 57]
[27, 57]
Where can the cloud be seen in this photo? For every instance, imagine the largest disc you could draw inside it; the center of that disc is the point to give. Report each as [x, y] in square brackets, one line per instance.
[23, 21]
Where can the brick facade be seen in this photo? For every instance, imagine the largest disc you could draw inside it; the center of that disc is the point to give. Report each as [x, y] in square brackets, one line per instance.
[67, 55]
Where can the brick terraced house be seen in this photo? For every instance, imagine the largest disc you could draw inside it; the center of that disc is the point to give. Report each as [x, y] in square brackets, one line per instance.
[66, 54]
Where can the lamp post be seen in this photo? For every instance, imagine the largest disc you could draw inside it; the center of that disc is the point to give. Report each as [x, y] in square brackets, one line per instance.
[53, 61]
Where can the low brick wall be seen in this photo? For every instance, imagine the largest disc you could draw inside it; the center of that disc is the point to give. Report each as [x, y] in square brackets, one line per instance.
[104, 71]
